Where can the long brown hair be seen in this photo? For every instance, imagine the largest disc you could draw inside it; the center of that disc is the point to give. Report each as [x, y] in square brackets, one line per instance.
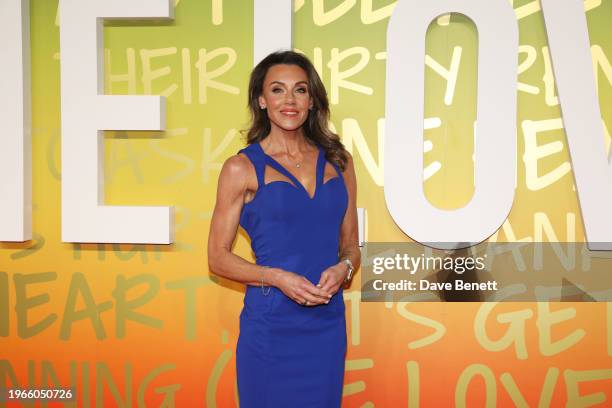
[316, 126]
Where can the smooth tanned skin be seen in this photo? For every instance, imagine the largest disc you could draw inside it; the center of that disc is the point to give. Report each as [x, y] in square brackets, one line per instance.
[286, 98]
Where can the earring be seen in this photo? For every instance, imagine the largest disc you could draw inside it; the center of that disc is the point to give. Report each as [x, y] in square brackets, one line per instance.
[262, 107]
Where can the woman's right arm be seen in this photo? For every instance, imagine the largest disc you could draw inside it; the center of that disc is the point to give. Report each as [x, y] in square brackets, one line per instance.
[233, 184]
[237, 176]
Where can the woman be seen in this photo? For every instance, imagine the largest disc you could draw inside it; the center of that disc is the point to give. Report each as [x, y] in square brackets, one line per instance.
[293, 190]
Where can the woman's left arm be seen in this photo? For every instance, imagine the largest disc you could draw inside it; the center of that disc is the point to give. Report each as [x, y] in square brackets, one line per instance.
[333, 277]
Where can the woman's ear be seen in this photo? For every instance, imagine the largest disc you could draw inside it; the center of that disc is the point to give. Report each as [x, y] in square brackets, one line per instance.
[262, 102]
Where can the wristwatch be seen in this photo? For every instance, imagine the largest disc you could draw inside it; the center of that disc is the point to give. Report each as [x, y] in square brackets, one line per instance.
[351, 268]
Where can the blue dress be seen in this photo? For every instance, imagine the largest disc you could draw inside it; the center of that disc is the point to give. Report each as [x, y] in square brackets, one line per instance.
[289, 355]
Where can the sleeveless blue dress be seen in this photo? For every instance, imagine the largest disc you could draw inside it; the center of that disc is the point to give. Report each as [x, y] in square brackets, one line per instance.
[289, 355]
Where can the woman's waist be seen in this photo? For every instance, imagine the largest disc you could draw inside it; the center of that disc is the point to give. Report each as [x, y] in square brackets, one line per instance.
[279, 246]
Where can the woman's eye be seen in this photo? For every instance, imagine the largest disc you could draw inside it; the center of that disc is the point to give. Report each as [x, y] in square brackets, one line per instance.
[276, 90]
[302, 90]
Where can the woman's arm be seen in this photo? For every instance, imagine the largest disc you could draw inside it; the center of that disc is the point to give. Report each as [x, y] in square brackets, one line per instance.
[236, 178]
[232, 187]
[349, 233]
[333, 277]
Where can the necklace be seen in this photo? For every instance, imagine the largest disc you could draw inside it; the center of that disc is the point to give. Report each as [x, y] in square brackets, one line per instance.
[296, 164]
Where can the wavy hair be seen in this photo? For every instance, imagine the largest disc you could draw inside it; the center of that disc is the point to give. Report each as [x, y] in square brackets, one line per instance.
[315, 127]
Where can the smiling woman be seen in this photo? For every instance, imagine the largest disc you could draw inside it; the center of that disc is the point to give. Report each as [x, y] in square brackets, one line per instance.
[286, 97]
[303, 232]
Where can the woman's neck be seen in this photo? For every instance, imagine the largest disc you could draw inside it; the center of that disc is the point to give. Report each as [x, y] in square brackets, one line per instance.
[291, 142]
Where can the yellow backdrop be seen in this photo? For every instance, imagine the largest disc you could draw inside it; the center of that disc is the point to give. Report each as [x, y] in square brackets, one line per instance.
[129, 325]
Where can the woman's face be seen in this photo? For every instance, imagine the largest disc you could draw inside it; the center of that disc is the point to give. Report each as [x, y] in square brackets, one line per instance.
[285, 96]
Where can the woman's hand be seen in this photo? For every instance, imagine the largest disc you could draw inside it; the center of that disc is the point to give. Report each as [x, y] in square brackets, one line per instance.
[333, 277]
[300, 289]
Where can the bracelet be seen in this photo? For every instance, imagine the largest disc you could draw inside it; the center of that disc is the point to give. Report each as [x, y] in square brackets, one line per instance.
[263, 270]
[351, 268]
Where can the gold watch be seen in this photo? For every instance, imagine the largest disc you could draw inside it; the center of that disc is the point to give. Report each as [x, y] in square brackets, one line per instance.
[351, 268]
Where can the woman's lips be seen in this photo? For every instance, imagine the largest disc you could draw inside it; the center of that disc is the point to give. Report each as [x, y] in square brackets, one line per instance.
[289, 112]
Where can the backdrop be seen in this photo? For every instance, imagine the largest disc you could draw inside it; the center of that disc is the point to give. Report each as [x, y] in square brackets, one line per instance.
[136, 325]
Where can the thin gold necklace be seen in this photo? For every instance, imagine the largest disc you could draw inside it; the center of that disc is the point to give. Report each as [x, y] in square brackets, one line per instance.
[296, 164]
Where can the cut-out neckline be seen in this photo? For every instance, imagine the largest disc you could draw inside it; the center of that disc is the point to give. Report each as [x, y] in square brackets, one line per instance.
[270, 172]
[335, 176]
[279, 167]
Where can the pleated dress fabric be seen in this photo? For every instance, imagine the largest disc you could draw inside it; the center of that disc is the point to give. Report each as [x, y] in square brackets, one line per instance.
[290, 355]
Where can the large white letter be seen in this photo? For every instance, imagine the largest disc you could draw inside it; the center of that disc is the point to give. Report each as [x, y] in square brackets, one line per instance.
[272, 27]
[86, 112]
[568, 38]
[15, 116]
[495, 133]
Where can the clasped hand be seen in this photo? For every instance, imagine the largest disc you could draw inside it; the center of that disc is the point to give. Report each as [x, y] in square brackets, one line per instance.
[302, 291]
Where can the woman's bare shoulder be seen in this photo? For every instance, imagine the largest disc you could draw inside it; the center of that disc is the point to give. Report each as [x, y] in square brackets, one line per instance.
[237, 165]
[349, 162]
[238, 171]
